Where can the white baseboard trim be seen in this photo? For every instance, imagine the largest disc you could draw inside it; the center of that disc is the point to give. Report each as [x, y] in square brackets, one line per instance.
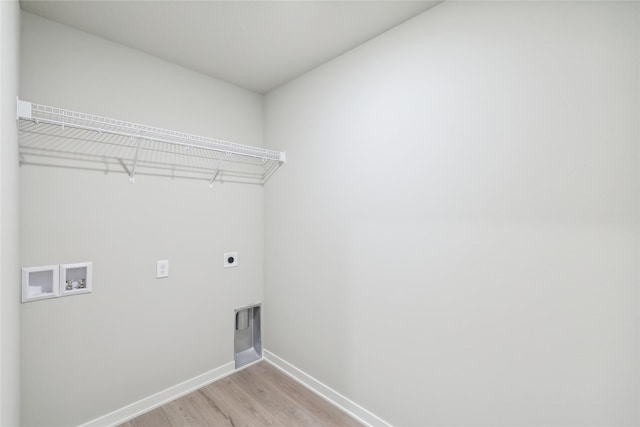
[131, 411]
[326, 392]
[146, 404]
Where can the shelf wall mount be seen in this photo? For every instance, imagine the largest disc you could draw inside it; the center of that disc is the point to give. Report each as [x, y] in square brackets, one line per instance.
[58, 137]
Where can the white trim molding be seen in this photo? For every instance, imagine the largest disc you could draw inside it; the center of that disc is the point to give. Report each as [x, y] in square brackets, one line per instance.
[149, 403]
[146, 404]
[347, 405]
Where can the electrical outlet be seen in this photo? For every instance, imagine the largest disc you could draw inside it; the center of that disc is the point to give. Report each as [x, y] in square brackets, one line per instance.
[230, 259]
[162, 269]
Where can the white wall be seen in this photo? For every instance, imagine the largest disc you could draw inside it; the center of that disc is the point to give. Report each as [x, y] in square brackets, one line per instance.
[86, 355]
[454, 239]
[9, 217]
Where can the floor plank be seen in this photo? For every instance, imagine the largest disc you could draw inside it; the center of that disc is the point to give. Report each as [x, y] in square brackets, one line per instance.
[259, 395]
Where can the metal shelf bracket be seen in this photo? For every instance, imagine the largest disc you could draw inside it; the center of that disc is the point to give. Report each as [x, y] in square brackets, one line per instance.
[132, 175]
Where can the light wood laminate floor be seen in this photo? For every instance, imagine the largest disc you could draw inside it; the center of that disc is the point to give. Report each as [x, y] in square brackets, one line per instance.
[259, 395]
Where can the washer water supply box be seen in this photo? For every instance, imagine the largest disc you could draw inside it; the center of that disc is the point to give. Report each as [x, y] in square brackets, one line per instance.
[54, 281]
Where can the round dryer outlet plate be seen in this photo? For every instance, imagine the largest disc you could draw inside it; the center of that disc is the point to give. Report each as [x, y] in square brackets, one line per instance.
[230, 259]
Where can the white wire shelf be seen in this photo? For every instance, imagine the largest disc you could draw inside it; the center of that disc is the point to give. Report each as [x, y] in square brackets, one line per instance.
[58, 137]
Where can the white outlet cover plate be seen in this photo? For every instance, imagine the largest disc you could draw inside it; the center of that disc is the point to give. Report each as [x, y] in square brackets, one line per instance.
[162, 269]
[230, 259]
